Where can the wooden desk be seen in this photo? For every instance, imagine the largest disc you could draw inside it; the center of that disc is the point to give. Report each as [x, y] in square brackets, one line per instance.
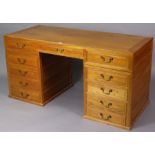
[117, 70]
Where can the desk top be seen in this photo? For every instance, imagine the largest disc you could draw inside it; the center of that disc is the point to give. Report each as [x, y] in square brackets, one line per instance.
[83, 38]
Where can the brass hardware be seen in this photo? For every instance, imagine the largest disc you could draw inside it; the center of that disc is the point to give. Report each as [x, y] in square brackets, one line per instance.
[102, 76]
[106, 78]
[23, 84]
[24, 95]
[23, 73]
[21, 61]
[102, 102]
[106, 92]
[107, 60]
[20, 46]
[107, 105]
[61, 50]
[105, 117]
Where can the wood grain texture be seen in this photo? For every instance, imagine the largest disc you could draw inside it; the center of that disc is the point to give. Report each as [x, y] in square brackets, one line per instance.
[56, 75]
[108, 59]
[23, 60]
[108, 76]
[106, 103]
[117, 70]
[24, 71]
[105, 115]
[141, 80]
[101, 89]
[81, 38]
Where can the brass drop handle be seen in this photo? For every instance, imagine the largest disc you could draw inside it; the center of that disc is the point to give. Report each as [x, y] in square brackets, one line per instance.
[61, 50]
[107, 60]
[107, 105]
[106, 78]
[24, 95]
[106, 92]
[21, 61]
[23, 84]
[20, 46]
[105, 117]
[23, 73]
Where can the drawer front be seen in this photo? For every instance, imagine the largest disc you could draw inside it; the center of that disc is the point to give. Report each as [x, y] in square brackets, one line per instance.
[107, 76]
[106, 103]
[107, 116]
[23, 72]
[108, 60]
[18, 44]
[26, 95]
[24, 84]
[108, 91]
[21, 59]
[61, 50]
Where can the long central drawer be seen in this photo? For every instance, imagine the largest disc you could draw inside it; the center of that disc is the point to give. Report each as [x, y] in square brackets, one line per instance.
[61, 50]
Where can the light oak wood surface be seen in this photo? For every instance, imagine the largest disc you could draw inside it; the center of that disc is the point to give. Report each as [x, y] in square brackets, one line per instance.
[117, 70]
[106, 103]
[82, 38]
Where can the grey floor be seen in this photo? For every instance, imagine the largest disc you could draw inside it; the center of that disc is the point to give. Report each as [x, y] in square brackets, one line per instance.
[64, 113]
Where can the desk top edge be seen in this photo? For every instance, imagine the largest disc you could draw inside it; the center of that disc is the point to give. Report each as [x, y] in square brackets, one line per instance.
[28, 34]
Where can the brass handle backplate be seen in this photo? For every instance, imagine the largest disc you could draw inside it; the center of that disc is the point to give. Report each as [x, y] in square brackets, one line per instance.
[105, 104]
[22, 73]
[20, 45]
[107, 59]
[21, 61]
[105, 117]
[106, 78]
[61, 50]
[106, 92]
[23, 84]
[24, 95]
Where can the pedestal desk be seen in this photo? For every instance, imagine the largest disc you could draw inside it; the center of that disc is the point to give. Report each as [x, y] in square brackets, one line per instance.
[117, 70]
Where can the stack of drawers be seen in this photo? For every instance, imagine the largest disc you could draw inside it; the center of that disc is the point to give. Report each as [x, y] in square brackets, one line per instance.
[23, 70]
[107, 79]
[34, 76]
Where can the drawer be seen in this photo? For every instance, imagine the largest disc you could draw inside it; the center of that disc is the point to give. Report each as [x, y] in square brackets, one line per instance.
[18, 44]
[61, 50]
[26, 95]
[107, 76]
[106, 103]
[104, 115]
[24, 84]
[22, 58]
[107, 91]
[108, 60]
[23, 72]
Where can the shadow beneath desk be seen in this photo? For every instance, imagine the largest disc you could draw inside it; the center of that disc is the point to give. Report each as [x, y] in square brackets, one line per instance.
[71, 100]
[148, 117]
